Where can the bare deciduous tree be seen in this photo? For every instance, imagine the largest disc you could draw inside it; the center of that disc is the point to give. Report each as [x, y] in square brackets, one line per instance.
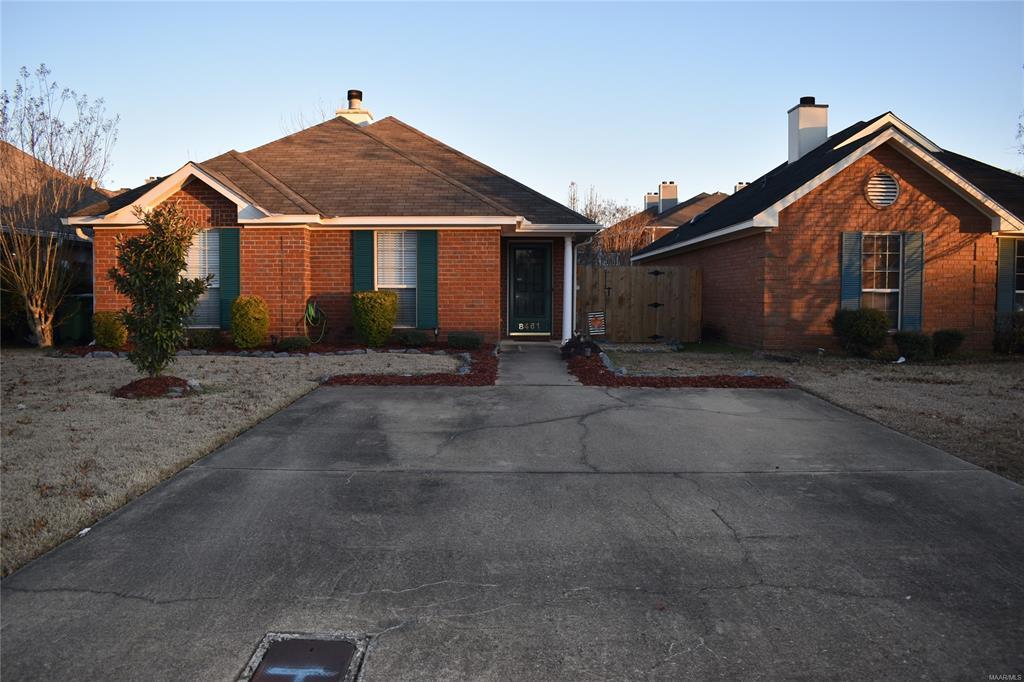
[54, 146]
[595, 207]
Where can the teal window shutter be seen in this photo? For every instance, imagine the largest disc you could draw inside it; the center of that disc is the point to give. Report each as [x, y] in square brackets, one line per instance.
[362, 260]
[426, 279]
[1005, 276]
[913, 282]
[230, 273]
[849, 288]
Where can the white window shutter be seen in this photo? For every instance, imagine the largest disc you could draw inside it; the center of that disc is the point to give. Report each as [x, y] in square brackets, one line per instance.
[204, 259]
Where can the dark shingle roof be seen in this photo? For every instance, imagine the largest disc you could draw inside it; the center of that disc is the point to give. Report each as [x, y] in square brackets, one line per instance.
[515, 196]
[23, 174]
[117, 201]
[1004, 187]
[341, 169]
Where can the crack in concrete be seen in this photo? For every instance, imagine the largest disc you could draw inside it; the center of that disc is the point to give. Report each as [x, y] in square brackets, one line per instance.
[108, 593]
[386, 590]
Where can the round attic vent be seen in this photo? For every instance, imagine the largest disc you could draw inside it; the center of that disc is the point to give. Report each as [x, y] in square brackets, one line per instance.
[882, 190]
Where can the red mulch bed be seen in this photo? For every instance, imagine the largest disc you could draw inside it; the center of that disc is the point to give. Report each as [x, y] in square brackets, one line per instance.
[483, 371]
[150, 387]
[592, 372]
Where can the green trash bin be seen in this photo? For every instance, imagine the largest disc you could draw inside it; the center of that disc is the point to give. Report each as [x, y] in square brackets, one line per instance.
[75, 320]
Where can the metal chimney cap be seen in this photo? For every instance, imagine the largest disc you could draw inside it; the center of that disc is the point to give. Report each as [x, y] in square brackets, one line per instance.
[358, 94]
[807, 101]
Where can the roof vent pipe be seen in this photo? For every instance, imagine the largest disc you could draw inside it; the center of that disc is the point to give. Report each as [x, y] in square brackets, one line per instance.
[355, 111]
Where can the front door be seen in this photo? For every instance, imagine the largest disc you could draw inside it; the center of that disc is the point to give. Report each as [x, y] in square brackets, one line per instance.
[530, 290]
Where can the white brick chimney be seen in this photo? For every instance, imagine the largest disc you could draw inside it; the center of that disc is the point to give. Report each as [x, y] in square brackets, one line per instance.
[355, 111]
[808, 127]
[668, 195]
[650, 199]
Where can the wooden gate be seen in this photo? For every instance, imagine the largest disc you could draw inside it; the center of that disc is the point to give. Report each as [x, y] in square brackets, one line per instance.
[641, 304]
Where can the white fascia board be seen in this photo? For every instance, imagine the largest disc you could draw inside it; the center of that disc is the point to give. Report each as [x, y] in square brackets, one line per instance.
[1001, 218]
[563, 228]
[383, 221]
[171, 184]
[894, 120]
[738, 227]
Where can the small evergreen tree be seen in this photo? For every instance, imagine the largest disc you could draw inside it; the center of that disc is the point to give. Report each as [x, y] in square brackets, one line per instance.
[149, 272]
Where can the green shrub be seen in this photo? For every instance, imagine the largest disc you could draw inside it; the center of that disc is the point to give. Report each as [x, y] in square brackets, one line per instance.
[204, 338]
[945, 342]
[412, 338]
[374, 314]
[914, 345]
[862, 331]
[464, 340]
[148, 273]
[108, 330]
[290, 344]
[1009, 336]
[250, 322]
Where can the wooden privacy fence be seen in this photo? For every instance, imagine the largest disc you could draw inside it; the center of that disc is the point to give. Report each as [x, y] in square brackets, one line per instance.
[641, 304]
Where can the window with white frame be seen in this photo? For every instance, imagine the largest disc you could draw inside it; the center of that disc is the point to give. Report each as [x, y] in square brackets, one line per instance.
[881, 274]
[203, 260]
[1018, 282]
[396, 271]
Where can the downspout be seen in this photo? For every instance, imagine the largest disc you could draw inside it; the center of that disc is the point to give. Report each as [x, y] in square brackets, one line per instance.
[568, 285]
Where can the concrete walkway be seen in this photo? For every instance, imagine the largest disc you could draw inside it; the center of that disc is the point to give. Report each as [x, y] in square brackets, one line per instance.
[545, 533]
[532, 363]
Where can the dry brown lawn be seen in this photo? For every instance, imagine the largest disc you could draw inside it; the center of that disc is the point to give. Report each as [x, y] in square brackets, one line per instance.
[71, 453]
[973, 408]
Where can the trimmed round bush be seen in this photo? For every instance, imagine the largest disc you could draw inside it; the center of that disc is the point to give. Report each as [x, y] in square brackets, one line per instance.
[374, 314]
[108, 330]
[945, 342]
[250, 322]
[861, 332]
[914, 345]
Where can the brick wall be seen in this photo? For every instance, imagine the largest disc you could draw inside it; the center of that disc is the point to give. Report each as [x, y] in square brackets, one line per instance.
[803, 254]
[205, 205]
[104, 257]
[330, 279]
[469, 281]
[274, 265]
[732, 286]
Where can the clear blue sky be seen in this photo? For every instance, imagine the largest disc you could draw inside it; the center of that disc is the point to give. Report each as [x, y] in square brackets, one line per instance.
[615, 95]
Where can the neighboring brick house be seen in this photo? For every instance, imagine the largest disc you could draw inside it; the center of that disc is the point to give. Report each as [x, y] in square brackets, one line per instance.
[662, 213]
[875, 215]
[352, 205]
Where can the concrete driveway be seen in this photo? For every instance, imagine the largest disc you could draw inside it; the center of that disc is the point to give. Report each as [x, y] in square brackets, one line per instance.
[555, 532]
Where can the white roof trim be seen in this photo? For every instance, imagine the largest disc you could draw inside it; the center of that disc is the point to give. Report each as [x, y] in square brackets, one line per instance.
[891, 119]
[1001, 218]
[544, 228]
[738, 227]
[164, 189]
[383, 221]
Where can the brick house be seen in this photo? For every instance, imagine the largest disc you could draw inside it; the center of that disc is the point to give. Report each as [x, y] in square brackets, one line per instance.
[354, 204]
[662, 213]
[875, 215]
